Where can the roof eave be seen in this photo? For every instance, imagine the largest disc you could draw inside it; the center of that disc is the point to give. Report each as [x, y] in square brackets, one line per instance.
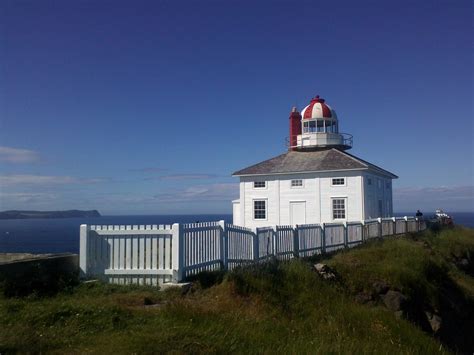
[300, 172]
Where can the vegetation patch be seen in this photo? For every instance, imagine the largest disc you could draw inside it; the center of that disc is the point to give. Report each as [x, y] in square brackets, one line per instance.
[282, 307]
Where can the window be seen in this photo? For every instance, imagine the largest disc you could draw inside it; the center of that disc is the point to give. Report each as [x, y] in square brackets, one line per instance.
[338, 181]
[338, 208]
[309, 126]
[369, 181]
[259, 184]
[387, 184]
[260, 209]
[297, 183]
[379, 183]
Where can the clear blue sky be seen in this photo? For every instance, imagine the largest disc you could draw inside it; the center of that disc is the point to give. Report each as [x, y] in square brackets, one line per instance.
[149, 106]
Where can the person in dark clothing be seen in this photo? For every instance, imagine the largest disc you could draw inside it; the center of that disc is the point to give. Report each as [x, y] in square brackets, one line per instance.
[419, 214]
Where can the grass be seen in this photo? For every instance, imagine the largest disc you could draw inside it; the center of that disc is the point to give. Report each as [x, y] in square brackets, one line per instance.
[274, 307]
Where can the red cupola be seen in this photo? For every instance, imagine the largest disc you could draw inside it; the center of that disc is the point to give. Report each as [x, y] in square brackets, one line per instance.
[317, 127]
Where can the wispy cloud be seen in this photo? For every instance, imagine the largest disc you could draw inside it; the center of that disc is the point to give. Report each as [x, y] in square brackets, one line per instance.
[148, 170]
[29, 197]
[16, 155]
[199, 193]
[7, 180]
[453, 198]
[191, 176]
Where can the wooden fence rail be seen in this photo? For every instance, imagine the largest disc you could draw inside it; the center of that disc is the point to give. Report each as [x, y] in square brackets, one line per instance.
[157, 254]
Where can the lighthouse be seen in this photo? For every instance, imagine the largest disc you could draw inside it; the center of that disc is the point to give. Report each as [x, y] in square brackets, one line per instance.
[316, 180]
[316, 127]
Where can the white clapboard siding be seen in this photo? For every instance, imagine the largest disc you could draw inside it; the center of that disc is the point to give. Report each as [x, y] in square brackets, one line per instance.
[241, 246]
[334, 236]
[309, 239]
[355, 233]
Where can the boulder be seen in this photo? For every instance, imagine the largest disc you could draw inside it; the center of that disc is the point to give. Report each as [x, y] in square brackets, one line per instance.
[363, 297]
[394, 301]
[434, 320]
[325, 271]
[380, 287]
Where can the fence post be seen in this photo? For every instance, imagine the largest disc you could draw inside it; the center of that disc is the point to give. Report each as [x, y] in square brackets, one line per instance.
[224, 245]
[296, 244]
[177, 251]
[379, 221]
[256, 245]
[363, 233]
[346, 237]
[275, 241]
[394, 225]
[83, 249]
[323, 239]
[406, 224]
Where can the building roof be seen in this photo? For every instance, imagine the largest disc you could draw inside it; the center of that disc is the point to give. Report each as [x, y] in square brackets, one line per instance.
[311, 161]
[317, 108]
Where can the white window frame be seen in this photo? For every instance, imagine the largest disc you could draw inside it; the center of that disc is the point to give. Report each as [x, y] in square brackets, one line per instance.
[339, 178]
[296, 186]
[258, 187]
[266, 209]
[345, 208]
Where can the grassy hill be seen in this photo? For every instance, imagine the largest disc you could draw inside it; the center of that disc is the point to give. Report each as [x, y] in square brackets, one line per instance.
[283, 307]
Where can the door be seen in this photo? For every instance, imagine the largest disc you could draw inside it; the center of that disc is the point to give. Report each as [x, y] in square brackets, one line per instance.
[297, 212]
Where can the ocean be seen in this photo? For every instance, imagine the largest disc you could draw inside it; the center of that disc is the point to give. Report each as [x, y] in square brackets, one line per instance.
[62, 235]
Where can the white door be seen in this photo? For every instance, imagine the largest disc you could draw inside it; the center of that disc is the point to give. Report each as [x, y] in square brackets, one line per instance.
[297, 212]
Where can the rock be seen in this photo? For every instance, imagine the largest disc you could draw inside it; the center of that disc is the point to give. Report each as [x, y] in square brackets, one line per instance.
[398, 314]
[321, 267]
[464, 262]
[363, 297]
[380, 287]
[325, 271]
[394, 301]
[434, 320]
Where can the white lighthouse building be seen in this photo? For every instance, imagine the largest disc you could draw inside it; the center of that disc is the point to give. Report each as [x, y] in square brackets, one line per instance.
[315, 181]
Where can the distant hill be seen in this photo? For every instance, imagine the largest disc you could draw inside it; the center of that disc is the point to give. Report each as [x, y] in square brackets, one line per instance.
[48, 214]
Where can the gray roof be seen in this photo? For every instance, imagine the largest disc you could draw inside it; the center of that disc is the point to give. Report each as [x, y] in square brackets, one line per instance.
[310, 161]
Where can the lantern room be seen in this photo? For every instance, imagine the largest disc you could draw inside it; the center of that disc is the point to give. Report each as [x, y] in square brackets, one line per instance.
[316, 127]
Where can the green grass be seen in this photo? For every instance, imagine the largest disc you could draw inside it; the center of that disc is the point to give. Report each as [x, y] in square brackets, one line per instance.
[275, 307]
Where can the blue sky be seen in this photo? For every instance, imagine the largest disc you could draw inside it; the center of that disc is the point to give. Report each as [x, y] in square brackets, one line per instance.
[149, 106]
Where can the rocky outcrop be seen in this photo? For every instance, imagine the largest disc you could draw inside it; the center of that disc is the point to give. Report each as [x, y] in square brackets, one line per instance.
[325, 271]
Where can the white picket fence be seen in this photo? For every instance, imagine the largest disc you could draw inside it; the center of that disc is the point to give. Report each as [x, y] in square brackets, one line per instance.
[157, 254]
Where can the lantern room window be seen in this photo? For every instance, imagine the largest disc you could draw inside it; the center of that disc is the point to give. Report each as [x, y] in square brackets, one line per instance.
[320, 126]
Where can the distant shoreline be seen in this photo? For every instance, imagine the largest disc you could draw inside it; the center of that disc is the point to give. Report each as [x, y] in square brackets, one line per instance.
[48, 214]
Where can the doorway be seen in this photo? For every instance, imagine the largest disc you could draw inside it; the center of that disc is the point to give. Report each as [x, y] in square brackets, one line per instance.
[297, 212]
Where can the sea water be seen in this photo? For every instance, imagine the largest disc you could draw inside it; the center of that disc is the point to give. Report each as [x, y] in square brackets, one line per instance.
[61, 235]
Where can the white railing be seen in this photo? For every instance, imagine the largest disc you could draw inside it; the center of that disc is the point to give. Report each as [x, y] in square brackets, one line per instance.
[127, 254]
[155, 254]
